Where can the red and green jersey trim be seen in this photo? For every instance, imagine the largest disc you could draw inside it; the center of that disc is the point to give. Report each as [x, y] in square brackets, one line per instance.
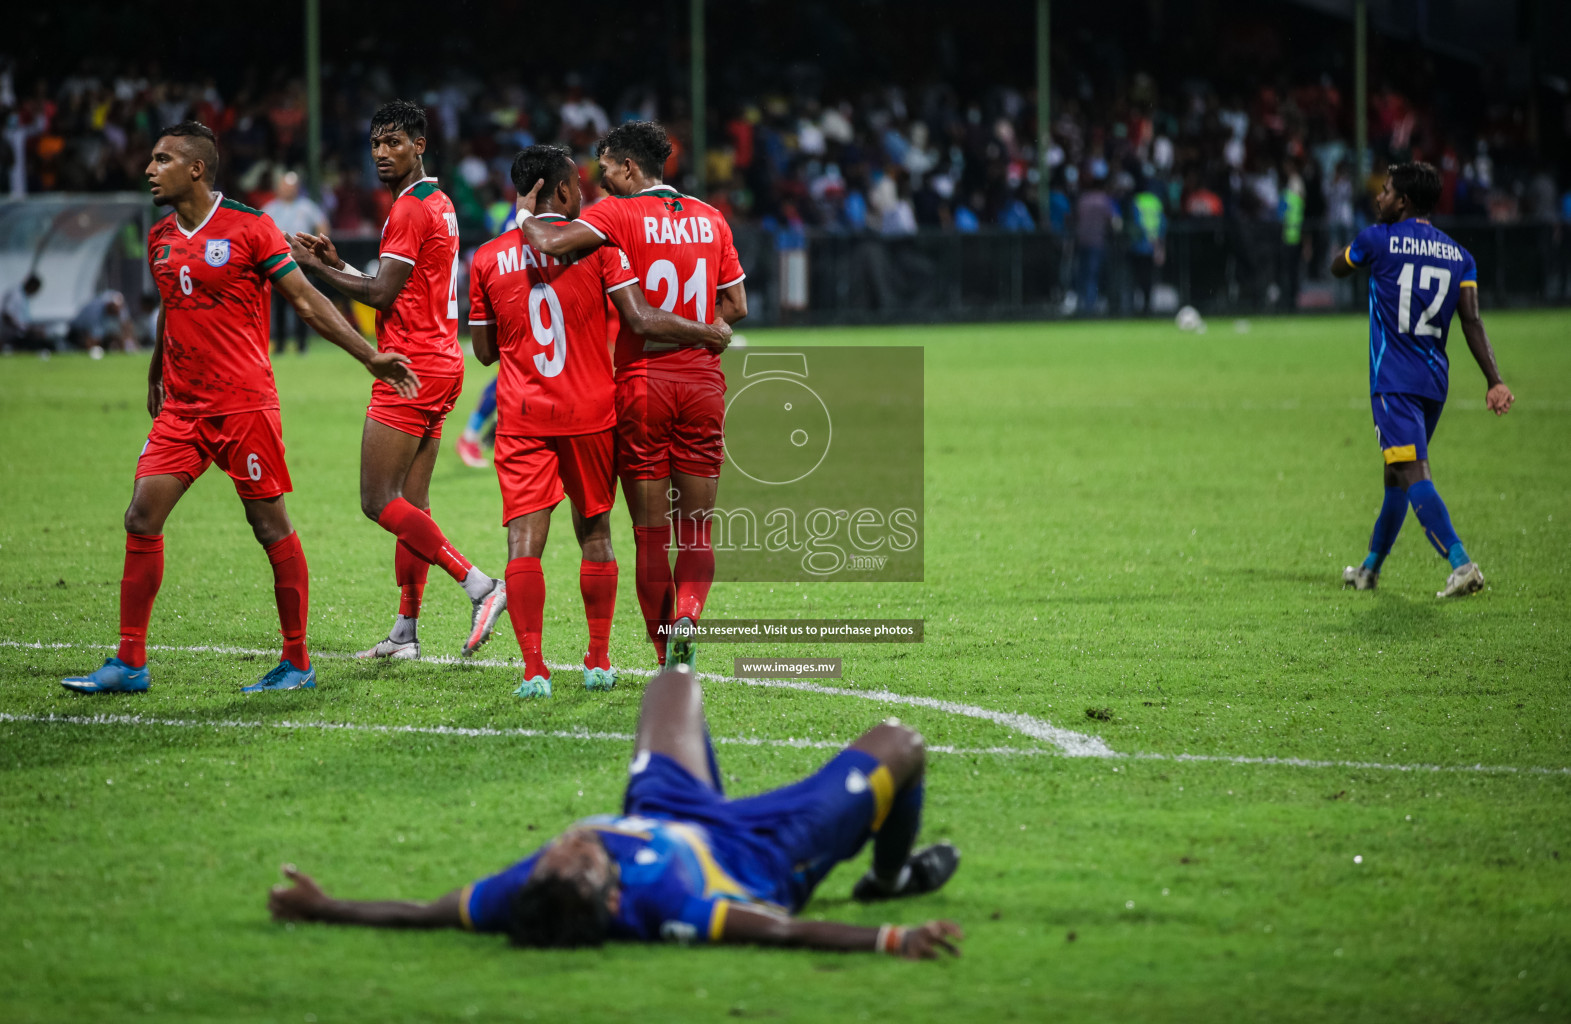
[279, 266]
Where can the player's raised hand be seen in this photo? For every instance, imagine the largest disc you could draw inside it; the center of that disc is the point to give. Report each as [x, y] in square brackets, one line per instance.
[526, 202]
[1499, 399]
[300, 901]
[392, 368]
[924, 941]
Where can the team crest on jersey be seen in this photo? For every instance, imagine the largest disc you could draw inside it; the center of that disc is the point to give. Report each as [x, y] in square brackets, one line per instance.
[217, 252]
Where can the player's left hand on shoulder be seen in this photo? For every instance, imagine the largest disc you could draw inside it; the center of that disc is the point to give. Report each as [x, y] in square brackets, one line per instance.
[297, 901]
[924, 942]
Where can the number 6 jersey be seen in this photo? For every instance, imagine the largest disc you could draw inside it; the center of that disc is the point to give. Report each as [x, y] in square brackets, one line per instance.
[1416, 275]
[215, 283]
[553, 322]
[422, 323]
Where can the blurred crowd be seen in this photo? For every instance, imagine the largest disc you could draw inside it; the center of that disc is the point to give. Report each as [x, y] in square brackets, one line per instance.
[1125, 164]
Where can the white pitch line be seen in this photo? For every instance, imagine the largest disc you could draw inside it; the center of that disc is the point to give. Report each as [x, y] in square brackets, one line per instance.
[794, 743]
[1070, 743]
[1036, 728]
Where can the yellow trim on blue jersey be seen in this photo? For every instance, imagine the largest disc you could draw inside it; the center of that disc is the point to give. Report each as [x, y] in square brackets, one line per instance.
[717, 919]
[1468, 284]
[1347, 254]
[463, 907]
[883, 786]
[1404, 453]
[716, 881]
[645, 836]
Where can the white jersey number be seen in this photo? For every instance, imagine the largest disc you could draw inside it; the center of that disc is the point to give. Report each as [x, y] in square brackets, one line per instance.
[662, 276]
[452, 291]
[1431, 277]
[185, 280]
[554, 336]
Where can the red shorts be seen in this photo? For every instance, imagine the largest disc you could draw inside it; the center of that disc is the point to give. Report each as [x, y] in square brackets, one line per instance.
[535, 471]
[666, 426]
[249, 446]
[421, 415]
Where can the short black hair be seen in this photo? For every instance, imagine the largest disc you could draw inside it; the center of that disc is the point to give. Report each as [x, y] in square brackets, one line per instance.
[1419, 183]
[32, 284]
[205, 149]
[549, 163]
[645, 142]
[400, 115]
[555, 912]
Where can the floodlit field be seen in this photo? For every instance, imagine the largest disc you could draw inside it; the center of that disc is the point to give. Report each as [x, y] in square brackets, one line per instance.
[1120, 519]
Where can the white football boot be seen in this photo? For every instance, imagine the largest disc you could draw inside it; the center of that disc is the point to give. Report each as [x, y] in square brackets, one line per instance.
[1464, 580]
[391, 648]
[1360, 578]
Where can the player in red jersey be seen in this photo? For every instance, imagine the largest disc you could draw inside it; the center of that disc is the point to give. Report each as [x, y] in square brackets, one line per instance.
[415, 294]
[211, 395]
[670, 401]
[549, 321]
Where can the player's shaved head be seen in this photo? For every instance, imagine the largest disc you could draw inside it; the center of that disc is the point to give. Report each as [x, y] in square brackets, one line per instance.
[399, 116]
[1419, 184]
[550, 165]
[643, 142]
[197, 142]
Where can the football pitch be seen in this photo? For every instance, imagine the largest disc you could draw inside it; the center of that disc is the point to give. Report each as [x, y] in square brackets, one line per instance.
[1191, 776]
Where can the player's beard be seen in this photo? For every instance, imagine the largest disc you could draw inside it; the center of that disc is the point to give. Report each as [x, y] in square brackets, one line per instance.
[163, 199]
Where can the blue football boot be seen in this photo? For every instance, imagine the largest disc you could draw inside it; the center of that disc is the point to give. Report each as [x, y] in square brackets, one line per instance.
[284, 676]
[534, 686]
[114, 677]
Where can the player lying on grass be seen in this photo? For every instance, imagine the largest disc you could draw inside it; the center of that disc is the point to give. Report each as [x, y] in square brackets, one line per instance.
[1418, 277]
[415, 294]
[670, 401]
[684, 863]
[210, 392]
[547, 320]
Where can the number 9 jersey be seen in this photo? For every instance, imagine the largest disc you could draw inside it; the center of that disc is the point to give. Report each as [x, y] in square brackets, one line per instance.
[1416, 274]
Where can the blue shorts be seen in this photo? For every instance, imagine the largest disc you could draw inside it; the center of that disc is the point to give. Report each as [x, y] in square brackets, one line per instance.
[1404, 424]
[785, 840]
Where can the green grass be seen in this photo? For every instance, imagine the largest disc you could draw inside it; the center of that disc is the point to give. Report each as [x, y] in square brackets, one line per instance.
[1119, 516]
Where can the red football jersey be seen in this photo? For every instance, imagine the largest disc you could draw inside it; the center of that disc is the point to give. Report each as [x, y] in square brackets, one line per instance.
[422, 231]
[216, 286]
[551, 318]
[682, 251]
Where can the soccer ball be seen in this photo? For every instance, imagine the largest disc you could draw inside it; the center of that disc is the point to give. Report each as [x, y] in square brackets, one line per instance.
[1188, 319]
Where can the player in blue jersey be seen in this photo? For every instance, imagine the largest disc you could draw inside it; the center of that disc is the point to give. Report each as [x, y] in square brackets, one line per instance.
[1418, 277]
[684, 863]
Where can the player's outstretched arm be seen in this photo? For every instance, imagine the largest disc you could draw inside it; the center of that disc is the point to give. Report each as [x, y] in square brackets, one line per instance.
[321, 316]
[554, 237]
[317, 254]
[660, 325]
[304, 900]
[1342, 264]
[155, 370]
[1499, 397]
[921, 942]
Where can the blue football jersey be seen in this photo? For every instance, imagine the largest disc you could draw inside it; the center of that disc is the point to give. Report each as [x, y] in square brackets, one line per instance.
[672, 886]
[1416, 274]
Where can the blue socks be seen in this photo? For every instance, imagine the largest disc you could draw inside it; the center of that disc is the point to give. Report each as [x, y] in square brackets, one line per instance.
[1387, 525]
[1432, 514]
[484, 410]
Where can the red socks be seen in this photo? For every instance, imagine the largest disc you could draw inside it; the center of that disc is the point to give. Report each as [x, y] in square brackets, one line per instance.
[291, 588]
[656, 592]
[597, 582]
[420, 532]
[695, 567]
[526, 607]
[410, 571]
[139, 583]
